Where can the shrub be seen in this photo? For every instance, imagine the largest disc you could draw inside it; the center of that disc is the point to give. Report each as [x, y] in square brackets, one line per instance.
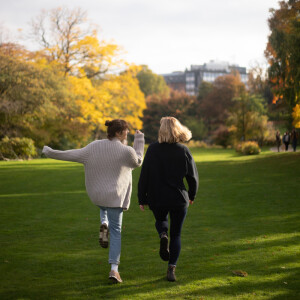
[196, 144]
[17, 148]
[247, 148]
[238, 147]
[222, 136]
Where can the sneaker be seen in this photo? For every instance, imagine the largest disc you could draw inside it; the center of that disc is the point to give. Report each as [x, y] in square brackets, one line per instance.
[164, 247]
[115, 277]
[171, 273]
[103, 236]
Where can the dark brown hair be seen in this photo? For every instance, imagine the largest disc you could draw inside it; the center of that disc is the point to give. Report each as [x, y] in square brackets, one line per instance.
[115, 126]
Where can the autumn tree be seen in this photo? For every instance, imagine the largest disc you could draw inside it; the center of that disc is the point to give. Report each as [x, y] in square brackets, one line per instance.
[283, 53]
[68, 40]
[89, 66]
[151, 83]
[36, 102]
[247, 119]
[20, 92]
[178, 105]
[296, 116]
[204, 90]
[118, 96]
[62, 94]
[123, 98]
[258, 83]
[215, 100]
[157, 108]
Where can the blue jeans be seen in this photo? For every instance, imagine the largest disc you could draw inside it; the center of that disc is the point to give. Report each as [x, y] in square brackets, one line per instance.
[177, 216]
[113, 217]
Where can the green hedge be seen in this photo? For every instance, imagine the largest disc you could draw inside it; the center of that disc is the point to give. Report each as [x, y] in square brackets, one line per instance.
[16, 148]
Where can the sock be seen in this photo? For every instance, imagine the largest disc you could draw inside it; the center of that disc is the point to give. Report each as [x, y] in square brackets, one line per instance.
[114, 267]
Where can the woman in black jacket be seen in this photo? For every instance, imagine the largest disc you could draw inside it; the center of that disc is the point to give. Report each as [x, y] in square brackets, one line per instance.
[166, 164]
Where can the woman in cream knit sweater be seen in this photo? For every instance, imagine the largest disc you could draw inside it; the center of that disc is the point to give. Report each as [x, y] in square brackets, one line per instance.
[108, 168]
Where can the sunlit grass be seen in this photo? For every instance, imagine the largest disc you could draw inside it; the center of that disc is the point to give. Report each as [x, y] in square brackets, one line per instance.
[245, 217]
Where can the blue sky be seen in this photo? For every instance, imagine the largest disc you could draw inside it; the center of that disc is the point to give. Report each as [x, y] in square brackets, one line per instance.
[166, 35]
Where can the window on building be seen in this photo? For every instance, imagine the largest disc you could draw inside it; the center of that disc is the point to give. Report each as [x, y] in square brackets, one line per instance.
[190, 77]
[190, 86]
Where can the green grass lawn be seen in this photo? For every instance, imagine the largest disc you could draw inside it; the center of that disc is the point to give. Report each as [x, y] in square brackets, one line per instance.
[246, 217]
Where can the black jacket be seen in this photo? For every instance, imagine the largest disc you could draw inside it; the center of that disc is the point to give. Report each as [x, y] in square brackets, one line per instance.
[161, 180]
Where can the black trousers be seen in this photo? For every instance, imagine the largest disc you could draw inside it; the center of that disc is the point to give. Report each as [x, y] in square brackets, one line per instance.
[286, 146]
[177, 216]
[294, 145]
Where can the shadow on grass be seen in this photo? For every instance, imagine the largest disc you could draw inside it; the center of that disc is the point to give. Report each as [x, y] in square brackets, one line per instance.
[234, 288]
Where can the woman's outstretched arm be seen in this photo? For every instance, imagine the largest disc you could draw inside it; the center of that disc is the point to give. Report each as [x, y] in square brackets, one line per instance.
[76, 155]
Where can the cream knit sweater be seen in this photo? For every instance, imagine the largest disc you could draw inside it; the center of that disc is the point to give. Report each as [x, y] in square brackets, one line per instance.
[108, 168]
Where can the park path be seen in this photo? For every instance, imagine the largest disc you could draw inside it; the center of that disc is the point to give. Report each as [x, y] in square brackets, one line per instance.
[282, 149]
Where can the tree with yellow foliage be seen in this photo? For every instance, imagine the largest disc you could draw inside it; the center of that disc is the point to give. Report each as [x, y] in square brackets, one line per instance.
[296, 116]
[118, 96]
[126, 99]
[36, 102]
[89, 66]
[67, 40]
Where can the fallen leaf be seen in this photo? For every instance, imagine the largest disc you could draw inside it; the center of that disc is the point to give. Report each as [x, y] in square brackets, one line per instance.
[285, 282]
[240, 273]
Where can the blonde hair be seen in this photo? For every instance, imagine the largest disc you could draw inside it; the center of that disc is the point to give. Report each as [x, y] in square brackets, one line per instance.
[172, 131]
